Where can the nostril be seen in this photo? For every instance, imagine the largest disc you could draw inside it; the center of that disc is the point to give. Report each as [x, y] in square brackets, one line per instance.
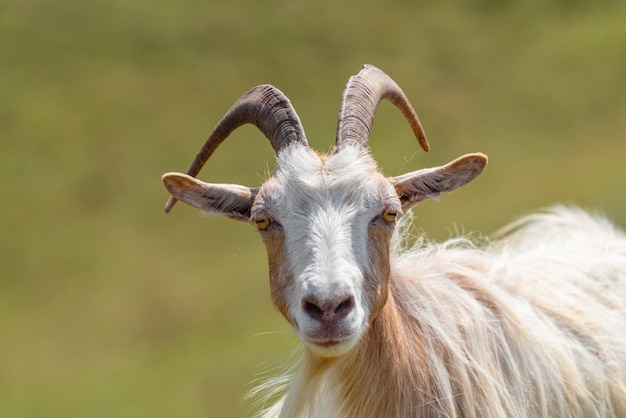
[312, 309]
[333, 309]
[345, 307]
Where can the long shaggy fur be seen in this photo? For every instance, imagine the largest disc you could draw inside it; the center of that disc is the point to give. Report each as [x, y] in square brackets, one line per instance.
[531, 324]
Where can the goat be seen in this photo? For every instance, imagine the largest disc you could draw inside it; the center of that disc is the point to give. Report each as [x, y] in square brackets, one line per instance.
[531, 324]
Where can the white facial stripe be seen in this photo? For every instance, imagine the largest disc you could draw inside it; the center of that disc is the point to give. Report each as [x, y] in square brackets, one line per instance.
[325, 212]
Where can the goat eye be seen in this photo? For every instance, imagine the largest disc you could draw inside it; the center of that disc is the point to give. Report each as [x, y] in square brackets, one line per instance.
[390, 215]
[262, 222]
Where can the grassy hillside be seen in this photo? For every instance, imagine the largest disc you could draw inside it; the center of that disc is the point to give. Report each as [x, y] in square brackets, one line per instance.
[109, 308]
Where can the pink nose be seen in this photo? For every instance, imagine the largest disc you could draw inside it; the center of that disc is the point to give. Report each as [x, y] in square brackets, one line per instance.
[328, 310]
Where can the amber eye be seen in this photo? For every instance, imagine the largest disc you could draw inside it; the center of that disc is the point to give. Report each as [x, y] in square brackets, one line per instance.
[390, 215]
[262, 222]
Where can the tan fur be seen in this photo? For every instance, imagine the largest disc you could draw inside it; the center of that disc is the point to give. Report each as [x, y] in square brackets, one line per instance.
[279, 275]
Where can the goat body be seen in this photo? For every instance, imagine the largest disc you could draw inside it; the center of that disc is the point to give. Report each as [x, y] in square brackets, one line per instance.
[532, 324]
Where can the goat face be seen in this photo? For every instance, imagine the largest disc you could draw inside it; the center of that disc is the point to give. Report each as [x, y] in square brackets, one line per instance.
[326, 220]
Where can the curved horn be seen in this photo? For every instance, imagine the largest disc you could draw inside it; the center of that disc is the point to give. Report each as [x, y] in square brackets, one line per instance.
[268, 109]
[360, 100]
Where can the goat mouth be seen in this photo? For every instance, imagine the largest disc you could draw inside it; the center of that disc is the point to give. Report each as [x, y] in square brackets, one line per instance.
[330, 347]
[330, 339]
[326, 343]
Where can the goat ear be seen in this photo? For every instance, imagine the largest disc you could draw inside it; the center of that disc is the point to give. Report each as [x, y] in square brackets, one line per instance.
[231, 200]
[420, 185]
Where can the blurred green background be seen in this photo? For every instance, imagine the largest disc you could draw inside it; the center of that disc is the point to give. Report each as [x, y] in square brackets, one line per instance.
[109, 308]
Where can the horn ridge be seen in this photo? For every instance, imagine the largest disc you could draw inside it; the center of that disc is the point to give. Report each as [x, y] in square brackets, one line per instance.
[268, 109]
[362, 95]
